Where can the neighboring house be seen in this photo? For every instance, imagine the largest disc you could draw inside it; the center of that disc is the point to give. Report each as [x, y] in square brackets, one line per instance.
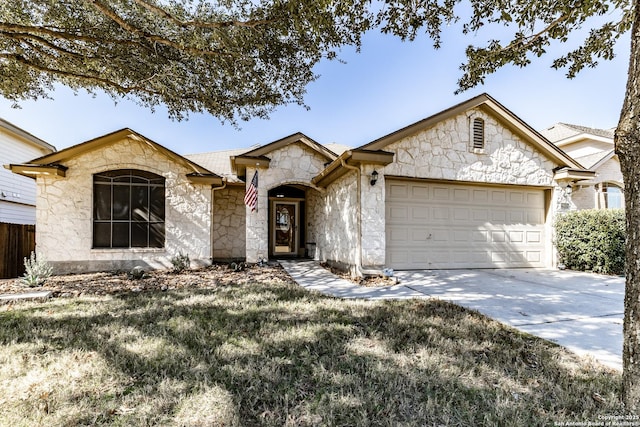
[470, 187]
[18, 193]
[594, 150]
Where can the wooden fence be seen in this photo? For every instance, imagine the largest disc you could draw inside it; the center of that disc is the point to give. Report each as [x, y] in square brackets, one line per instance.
[16, 242]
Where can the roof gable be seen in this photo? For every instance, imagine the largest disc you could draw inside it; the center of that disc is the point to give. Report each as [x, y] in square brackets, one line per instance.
[258, 156]
[564, 134]
[25, 136]
[45, 163]
[297, 137]
[490, 106]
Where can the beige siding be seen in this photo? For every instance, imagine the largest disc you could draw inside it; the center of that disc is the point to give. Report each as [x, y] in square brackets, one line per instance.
[17, 193]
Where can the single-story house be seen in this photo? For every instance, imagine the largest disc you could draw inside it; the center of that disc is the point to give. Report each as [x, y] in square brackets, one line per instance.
[593, 149]
[470, 187]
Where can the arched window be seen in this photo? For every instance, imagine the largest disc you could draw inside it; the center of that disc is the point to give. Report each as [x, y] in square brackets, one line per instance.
[478, 134]
[128, 209]
[613, 196]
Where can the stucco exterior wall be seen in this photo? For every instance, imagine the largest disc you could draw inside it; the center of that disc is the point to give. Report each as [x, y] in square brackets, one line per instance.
[229, 240]
[586, 148]
[293, 164]
[65, 212]
[445, 152]
[589, 195]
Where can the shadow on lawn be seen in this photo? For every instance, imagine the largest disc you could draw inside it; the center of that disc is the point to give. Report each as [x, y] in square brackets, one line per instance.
[277, 355]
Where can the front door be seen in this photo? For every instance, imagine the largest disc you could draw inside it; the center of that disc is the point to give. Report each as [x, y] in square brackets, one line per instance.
[285, 228]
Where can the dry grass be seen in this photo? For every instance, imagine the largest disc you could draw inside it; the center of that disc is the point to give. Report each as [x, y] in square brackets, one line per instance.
[270, 353]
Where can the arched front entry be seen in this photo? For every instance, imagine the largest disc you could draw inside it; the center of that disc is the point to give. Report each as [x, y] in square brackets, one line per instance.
[288, 215]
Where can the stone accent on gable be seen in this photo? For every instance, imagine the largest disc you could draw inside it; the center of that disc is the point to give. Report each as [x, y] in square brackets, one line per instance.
[65, 211]
[444, 152]
[293, 164]
[229, 240]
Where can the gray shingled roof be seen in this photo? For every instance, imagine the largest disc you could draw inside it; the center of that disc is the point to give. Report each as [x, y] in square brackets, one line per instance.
[219, 162]
[561, 131]
[592, 159]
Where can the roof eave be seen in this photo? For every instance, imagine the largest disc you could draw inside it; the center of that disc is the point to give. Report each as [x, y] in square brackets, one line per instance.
[239, 163]
[32, 171]
[207, 179]
[571, 174]
[335, 169]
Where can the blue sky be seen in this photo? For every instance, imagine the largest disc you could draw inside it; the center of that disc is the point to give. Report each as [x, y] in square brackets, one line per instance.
[388, 85]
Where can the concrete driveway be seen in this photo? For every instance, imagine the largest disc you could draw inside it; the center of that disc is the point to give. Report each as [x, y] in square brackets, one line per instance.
[580, 311]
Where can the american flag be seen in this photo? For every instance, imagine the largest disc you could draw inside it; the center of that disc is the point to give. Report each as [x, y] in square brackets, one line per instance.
[251, 198]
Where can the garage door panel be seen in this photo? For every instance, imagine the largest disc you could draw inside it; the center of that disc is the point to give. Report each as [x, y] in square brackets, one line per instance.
[534, 237]
[442, 225]
[398, 191]
[398, 213]
[516, 236]
[419, 213]
[420, 192]
[441, 214]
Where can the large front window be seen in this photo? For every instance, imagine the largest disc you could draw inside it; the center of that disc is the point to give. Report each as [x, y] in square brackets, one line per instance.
[128, 209]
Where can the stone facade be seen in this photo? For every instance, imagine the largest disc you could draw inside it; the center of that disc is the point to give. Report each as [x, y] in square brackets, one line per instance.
[229, 240]
[337, 219]
[293, 164]
[65, 212]
[444, 152]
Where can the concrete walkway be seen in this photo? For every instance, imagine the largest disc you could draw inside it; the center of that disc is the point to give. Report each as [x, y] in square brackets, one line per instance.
[580, 311]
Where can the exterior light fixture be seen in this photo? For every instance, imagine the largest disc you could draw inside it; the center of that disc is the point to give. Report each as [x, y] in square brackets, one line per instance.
[569, 189]
[374, 178]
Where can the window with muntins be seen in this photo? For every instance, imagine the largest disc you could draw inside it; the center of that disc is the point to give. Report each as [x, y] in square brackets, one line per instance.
[478, 134]
[612, 196]
[128, 209]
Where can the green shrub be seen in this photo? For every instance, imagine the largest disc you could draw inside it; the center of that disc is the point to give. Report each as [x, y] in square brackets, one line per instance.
[592, 240]
[137, 273]
[37, 270]
[180, 262]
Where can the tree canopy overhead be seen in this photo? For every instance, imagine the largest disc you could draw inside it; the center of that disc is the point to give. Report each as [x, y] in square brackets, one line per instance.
[238, 59]
[232, 59]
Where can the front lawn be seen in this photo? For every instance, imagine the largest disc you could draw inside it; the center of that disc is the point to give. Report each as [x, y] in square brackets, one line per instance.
[270, 353]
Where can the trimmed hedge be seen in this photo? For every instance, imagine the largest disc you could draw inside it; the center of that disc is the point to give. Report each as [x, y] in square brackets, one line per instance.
[592, 240]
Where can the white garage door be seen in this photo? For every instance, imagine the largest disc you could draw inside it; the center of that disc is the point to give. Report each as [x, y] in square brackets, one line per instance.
[442, 225]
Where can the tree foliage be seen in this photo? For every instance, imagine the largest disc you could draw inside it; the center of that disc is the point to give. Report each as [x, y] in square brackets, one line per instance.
[238, 59]
[231, 58]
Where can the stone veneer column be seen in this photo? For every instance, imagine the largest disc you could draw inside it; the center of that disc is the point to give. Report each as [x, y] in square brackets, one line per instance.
[373, 218]
[257, 221]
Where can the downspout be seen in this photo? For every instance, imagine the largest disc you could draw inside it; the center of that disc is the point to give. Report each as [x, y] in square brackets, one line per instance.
[213, 200]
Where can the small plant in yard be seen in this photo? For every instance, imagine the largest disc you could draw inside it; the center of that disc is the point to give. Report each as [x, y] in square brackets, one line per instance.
[180, 262]
[136, 273]
[37, 270]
